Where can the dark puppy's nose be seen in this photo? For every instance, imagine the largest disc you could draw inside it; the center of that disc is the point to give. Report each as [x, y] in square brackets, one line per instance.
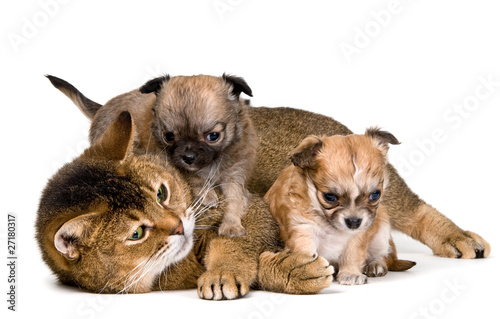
[353, 223]
[189, 158]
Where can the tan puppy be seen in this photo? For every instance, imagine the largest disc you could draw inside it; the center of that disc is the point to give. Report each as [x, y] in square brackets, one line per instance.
[328, 203]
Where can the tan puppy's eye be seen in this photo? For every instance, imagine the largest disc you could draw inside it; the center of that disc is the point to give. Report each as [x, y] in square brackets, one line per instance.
[375, 196]
[331, 198]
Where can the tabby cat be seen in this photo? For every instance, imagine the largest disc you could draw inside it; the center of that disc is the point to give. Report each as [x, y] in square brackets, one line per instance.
[112, 221]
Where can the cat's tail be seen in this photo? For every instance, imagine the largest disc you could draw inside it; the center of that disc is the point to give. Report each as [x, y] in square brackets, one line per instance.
[395, 264]
[401, 265]
[87, 106]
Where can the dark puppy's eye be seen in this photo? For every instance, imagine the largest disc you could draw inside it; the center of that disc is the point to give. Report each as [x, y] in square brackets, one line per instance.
[375, 196]
[330, 198]
[138, 234]
[213, 137]
[169, 137]
[161, 195]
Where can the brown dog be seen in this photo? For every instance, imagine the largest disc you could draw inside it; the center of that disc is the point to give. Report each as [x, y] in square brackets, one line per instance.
[279, 131]
[328, 203]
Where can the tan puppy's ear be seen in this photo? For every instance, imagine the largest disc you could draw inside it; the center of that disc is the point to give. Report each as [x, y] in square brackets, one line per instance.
[381, 138]
[239, 85]
[70, 237]
[304, 155]
[116, 142]
[154, 85]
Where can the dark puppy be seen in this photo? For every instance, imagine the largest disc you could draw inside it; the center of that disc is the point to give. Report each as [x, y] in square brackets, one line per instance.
[205, 131]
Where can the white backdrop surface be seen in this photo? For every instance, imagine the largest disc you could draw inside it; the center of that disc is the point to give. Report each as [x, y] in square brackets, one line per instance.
[427, 71]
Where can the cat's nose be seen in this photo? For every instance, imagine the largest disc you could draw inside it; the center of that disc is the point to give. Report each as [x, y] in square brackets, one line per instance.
[179, 230]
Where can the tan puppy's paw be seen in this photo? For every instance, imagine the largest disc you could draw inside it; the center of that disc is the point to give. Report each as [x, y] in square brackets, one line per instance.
[222, 285]
[294, 273]
[230, 230]
[466, 244]
[350, 279]
[375, 268]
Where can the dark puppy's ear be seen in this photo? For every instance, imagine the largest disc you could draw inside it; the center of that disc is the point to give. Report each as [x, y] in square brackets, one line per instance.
[381, 138]
[154, 85]
[239, 85]
[304, 155]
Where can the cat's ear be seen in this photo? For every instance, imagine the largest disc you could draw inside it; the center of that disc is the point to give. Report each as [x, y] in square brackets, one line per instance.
[116, 142]
[70, 237]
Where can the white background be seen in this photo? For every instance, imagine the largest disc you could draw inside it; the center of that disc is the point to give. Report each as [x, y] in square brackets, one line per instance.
[406, 72]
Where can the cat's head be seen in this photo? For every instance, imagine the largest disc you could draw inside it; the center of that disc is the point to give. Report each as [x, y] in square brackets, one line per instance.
[111, 221]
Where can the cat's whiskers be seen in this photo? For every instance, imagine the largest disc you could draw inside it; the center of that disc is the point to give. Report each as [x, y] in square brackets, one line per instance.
[207, 186]
[123, 278]
[148, 265]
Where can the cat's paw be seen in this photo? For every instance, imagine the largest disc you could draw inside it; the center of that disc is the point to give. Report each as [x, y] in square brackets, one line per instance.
[231, 229]
[351, 279]
[222, 285]
[295, 273]
[464, 244]
[375, 268]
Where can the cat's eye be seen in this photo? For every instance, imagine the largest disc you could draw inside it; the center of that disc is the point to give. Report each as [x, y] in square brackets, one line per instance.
[161, 194]
[375, 196]
[213, 137]
[138, 234]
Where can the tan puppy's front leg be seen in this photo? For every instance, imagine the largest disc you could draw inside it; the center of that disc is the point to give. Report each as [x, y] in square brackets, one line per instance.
[351, 262]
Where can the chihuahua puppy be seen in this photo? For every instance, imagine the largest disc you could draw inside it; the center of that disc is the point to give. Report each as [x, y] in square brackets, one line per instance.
[204, 128]
[329, 203]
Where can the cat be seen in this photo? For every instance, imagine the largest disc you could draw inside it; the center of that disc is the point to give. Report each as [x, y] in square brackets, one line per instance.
[114, 221]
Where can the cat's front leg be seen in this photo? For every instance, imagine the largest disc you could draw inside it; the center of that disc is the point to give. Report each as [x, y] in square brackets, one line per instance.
[294, 273]
[231, 271]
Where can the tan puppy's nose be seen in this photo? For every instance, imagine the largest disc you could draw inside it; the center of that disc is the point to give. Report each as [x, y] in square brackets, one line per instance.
[353, 223]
